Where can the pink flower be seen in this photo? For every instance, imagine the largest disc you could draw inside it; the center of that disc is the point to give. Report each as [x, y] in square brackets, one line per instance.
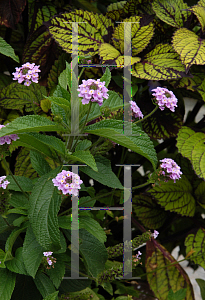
[68, 182]
[8, 138]
[28, 72]
[172, 170]
[165, 98]
[138, 254]
[155, 234]
[136, 110]
[3, 182]
[92, 90]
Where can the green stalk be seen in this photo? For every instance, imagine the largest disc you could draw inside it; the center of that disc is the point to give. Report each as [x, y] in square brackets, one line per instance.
[147, 116]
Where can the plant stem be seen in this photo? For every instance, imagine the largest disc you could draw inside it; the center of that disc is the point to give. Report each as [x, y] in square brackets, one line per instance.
[147, 116]
[7, 167]
[141, 185]
[81, 72]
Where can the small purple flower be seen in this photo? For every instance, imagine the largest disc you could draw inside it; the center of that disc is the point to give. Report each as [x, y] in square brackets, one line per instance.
[136, 110]
[48, 259]
[92, 90]
[172, 170]
[47, 253]
[155, 234]
[28, 72]
[3, 182]
[8, 138]
[165, 98]
[68, 182]
[138, 254]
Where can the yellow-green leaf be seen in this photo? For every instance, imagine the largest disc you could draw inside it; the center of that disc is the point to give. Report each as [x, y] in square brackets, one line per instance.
[45, 105]
[172, 12]
[161, 63]
[191, 145]
[200, 194]
[140, 35]
[161, 276]
[92, 30]
[116, 6]
[196, 244]
[188, 82]
[111, 55]
[189, 46]
[199, 11]
[23, 165]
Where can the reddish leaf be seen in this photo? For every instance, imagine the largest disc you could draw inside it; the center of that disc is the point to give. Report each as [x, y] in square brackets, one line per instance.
[10, 12]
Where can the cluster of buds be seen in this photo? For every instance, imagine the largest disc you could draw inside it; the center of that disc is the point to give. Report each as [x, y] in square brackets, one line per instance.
[136, 110]
[49, 259]
[8, 138]
[68, 182]
[110, 275]
[136, 258]
[28, 72]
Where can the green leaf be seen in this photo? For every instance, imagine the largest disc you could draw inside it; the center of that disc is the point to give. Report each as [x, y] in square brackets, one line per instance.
[201, 284]
[62, 102]
[25, 183]
[18, 96]
[44, 13]
[148, 211]
[191, 145]
[39, 163]
[47, 145]
[172, 12]
[44, 204]
[57, 273]
[161, 63]
[138, 142]
[24, 286]
[13, 236]
[190, 48]
[200, 194]
[105, 174]
[2, 258]
[176, 197]
[52, 296]
[19, 200]
[30, 123]
[32, 253]
[64, 79]
[44, 284]
[106, 77]
[85, 157]
[58, 66]
[7, 50]
[179, 295]
[199, 12]
[116, 6]
[140, 35]
[82, 145]
[195, 245]
[7, 284]
[16, 265]
[161, 276]
[23, 166]
[45, 105]
[90, 34]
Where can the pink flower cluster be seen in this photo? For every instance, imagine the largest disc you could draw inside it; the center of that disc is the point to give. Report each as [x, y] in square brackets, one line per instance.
[3, 182]
[172, 170]
[93, 90]
[8, 138]
[155, 234]
[165, 98]
[68, 182]
[28, 72]
[136, 110]
[50, 259]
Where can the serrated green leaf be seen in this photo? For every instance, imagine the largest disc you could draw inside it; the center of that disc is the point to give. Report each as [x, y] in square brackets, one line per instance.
[190, 48]
[199, 11]
[44, 284]
[105, 174]
[90, 34]
[172, 12]
[17, 96]
[200, 194]
[7, 285]
[195, 244]
[44, 204]
[148, 212]
[82, 145]
[13, 236]
[189, 83]
[23, 166]
[4, 80]
[16, 265]
[32, 253]
[191, 145]
[201, 284]
[161, 63]
[116, 6]
[39, 163]
[30, 123]
[18, 200]
[138, 142]
[85, 157]
[140, 35]
[106, 77]
[2, 259]
[7, 50]
[57, 68]
[25, 183]
[161, 276]
[176, 197]
[44, 13]
[52, 296]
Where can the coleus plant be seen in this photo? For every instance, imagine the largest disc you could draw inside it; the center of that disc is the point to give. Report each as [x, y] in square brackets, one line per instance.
[167, 56]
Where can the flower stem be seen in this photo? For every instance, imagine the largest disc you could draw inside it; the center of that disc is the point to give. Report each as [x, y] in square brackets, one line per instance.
[81, 72]
[147, 116]
[141, 185]
[8, 169]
